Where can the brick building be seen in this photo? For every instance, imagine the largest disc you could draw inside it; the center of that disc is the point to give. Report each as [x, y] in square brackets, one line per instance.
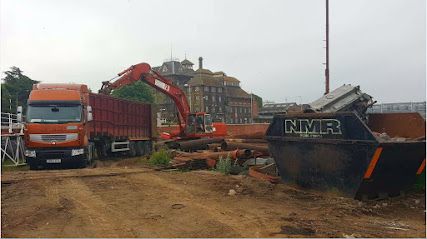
[179, 73]
[221, 96]
[212, 92]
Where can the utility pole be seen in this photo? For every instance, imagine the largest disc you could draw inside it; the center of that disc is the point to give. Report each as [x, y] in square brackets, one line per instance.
[327, 49]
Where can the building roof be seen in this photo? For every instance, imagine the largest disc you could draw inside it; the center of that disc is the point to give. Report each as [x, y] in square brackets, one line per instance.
[274, 108]
[237, 92]
[204, 79]
[219, 74]
[203, 72]
[173, 68]
[186, 62]
[231, 79]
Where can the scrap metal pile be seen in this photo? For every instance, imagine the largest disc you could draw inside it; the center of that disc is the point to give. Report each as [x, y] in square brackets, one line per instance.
[247, 156]
[331, 143]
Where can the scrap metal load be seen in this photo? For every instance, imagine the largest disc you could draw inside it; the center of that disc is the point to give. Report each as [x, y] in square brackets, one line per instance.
[346, 98]
[343, 151]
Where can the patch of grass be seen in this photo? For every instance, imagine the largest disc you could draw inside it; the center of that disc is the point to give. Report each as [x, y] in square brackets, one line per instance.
[7, 167]
[160, 158]
[224, 165]
[420, 183]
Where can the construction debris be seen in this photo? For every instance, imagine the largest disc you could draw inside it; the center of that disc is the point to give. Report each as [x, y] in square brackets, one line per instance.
[267, 173]
[346, 98]
[244, 153]
[231, 192]
[262, 148]
[196, 144]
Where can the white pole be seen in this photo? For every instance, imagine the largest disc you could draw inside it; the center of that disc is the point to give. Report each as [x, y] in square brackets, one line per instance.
[252, 116]
[189, 94]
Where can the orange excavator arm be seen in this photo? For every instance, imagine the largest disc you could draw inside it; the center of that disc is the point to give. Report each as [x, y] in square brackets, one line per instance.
[143, 71]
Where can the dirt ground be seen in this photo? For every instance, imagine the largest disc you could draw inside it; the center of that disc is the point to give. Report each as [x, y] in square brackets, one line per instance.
[130, 200]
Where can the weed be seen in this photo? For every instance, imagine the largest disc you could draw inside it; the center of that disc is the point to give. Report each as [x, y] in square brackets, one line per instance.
[5, 167]
[224, 165]
[160, 158]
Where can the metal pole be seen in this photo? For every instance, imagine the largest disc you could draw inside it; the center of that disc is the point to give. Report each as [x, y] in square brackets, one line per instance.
[252, 116]
[327, 49]
[189, 94]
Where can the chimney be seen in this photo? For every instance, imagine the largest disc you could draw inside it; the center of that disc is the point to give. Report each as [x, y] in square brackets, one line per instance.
[200, 62]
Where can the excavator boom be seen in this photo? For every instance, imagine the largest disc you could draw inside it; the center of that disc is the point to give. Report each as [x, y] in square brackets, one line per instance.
[143, 71]
[191, 125]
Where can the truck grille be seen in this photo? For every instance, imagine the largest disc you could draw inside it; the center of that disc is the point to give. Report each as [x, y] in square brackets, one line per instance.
[51, 155]
[47, 138]
[54, 137]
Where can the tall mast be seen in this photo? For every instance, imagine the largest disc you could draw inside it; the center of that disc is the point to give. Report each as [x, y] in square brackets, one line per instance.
[327, 49]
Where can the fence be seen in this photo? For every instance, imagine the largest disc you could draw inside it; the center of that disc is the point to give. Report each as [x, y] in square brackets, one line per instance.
[12, 144]
[419, 107]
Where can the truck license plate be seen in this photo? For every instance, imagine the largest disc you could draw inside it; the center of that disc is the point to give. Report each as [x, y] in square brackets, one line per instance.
[53, 160]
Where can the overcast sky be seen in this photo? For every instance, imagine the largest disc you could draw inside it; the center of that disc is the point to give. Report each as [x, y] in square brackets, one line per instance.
[274, 47]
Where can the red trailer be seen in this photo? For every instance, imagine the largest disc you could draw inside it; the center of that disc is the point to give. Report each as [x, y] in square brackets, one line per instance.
[120, 125]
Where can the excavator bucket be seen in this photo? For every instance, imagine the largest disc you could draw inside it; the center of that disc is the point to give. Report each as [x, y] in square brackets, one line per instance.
[340, 152]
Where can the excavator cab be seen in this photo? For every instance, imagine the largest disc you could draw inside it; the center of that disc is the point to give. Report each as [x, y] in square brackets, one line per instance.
[199, 124]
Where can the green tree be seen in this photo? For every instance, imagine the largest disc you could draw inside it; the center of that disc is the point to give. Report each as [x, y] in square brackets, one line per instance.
[138, 91]
[15, 89]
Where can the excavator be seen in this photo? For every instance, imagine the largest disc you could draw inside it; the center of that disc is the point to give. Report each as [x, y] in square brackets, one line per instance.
[192, 126]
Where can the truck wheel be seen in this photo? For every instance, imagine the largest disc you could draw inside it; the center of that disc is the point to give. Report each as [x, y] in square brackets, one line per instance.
[33, 166]
[139, 148]
[102, 152]
[147, 147]
[132, 149]
[90, 154]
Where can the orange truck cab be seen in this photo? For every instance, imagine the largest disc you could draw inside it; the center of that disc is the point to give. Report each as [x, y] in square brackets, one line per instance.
[56, 120]
[68, 125]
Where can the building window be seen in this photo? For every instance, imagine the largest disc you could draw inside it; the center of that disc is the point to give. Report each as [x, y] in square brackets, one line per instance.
[213, 89]
[206, 88]
[219, 109]
[207, 109]
[219, 90]
[213, 98]
[213, 110]
[219, 97]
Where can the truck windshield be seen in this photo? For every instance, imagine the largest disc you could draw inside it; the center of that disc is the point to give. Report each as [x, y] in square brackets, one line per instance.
[54, 113]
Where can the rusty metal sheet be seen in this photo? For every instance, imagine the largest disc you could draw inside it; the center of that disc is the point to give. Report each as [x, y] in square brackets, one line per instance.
[406, 125]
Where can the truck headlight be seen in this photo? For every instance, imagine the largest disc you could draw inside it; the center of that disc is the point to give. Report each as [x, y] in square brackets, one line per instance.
[30, 153]
[75, 152]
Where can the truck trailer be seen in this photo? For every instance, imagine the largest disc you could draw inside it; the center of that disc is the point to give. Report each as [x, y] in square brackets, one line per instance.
[69, 126]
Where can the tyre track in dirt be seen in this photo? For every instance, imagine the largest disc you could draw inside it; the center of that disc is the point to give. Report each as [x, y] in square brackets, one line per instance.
[247, 225]
[120, 202]
[149, 204]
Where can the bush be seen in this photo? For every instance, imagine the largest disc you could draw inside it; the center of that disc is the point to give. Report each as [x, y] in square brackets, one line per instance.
[161, 157]
[224, 165]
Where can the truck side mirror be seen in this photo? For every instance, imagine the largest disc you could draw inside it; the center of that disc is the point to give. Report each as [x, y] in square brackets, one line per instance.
[19, 114]
[89, 113]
